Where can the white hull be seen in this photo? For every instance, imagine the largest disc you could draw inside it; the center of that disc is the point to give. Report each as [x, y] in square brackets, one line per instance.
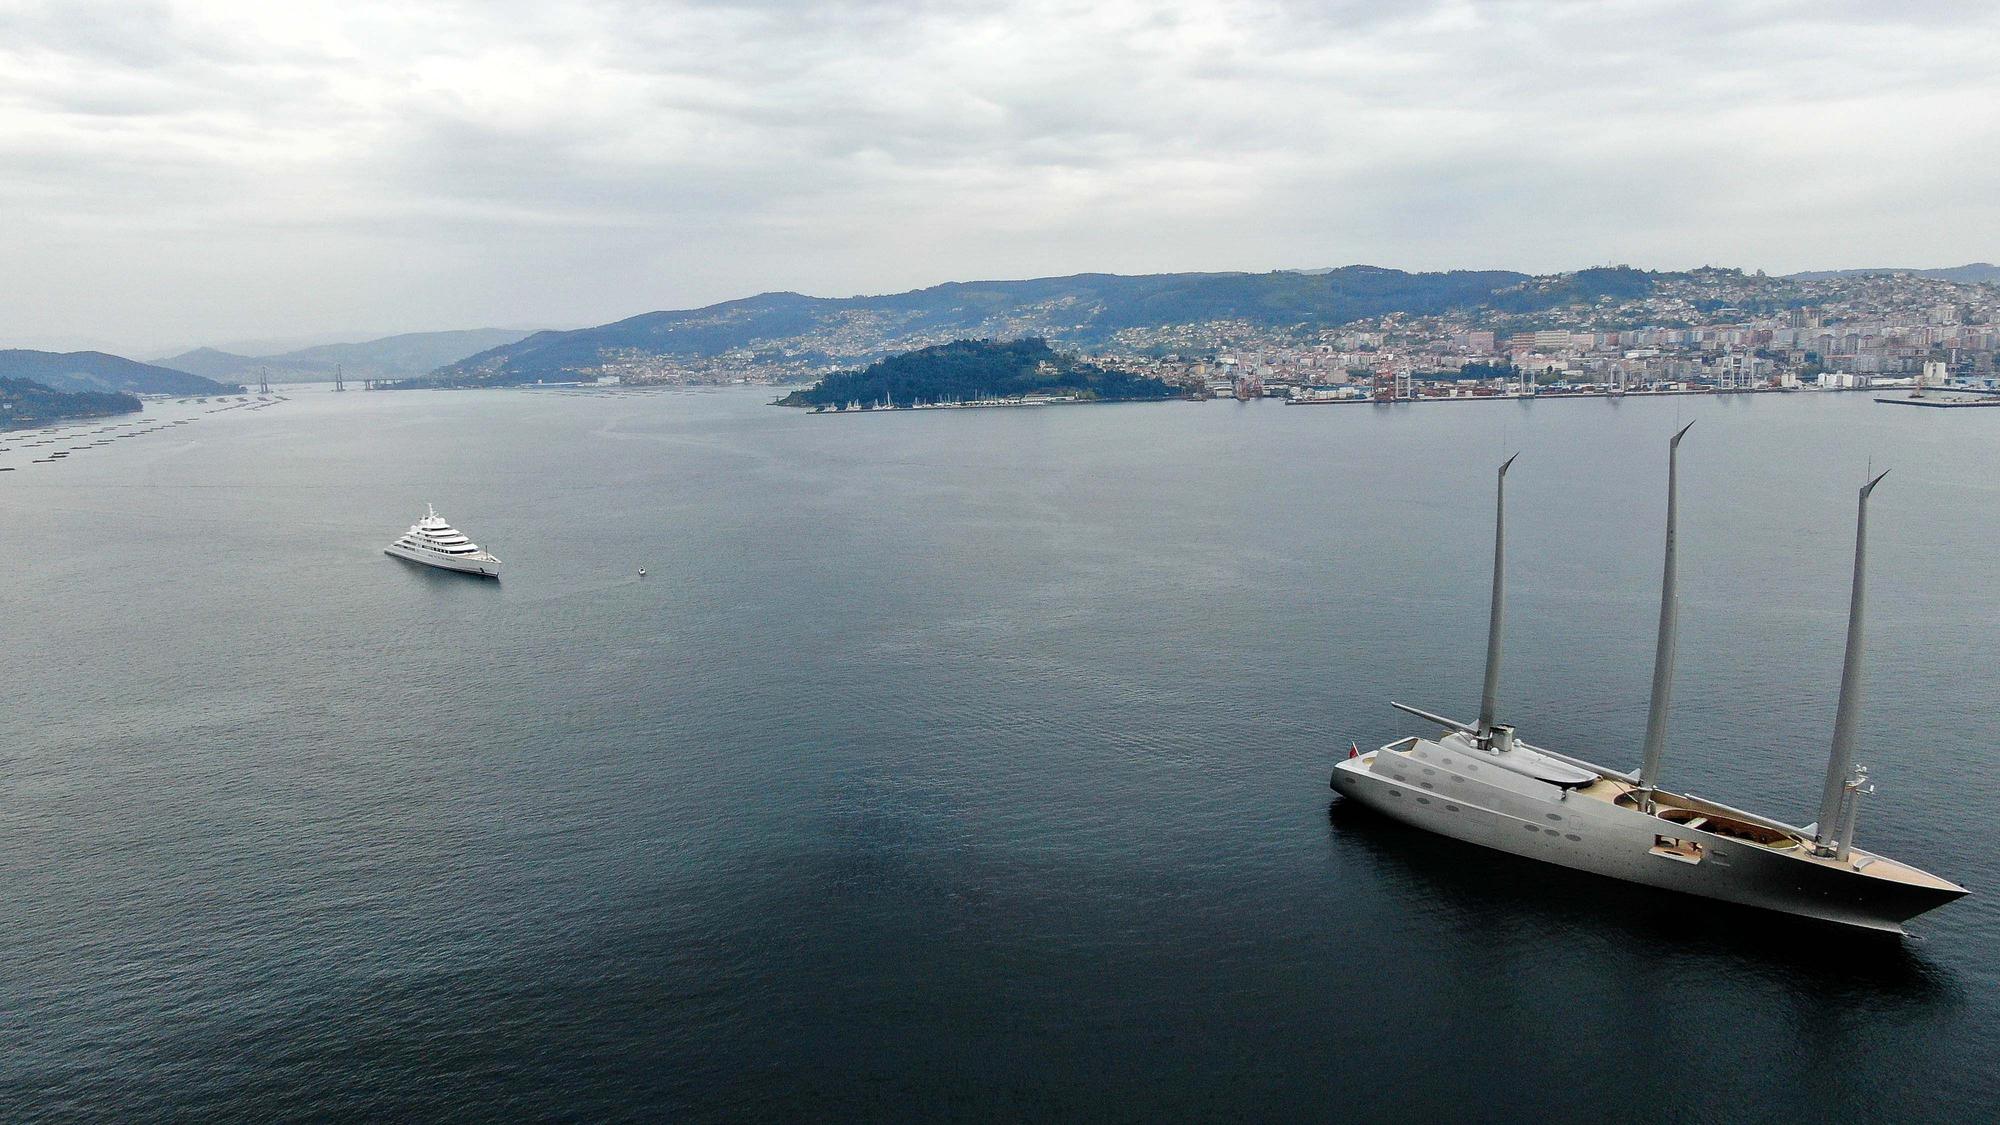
[1453, 788]
[1480, 784]
[482, 564]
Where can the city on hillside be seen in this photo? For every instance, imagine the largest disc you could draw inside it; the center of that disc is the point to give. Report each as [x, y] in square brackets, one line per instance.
[1709, 329]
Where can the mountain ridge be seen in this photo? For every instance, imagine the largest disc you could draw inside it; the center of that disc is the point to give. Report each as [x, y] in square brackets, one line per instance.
[1971, 273]
[388, 357]
[101, 371]
[1075, 309]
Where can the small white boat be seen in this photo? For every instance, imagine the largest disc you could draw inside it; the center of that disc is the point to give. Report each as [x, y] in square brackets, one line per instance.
[434, 542]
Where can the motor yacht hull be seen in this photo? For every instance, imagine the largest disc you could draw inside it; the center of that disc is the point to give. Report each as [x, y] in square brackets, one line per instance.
[484, 567]
[1459, 791]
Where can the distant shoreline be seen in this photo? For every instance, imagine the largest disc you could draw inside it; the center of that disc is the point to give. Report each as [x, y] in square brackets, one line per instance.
[1366, 400]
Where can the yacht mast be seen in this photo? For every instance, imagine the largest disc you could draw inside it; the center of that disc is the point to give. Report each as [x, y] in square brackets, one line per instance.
[1829, 833]
[1489, 697]
[1663, 649]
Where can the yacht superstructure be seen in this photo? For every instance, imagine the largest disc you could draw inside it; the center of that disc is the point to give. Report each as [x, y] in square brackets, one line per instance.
[434, 542]
[1481, 784]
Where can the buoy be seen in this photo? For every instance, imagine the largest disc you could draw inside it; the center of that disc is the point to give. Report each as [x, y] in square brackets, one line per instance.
[642, 572]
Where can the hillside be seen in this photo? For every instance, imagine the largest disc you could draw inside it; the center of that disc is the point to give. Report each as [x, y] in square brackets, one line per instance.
[25, 403]
[391, 357]
[96, 371]
[210, 363]
[1973, 273]
[1081, 310]
[968, 370]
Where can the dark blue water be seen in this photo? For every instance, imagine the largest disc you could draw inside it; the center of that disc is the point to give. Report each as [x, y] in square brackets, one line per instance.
[959, 764]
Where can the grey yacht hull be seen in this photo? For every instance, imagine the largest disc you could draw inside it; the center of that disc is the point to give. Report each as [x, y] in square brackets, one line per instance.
[1452, 788]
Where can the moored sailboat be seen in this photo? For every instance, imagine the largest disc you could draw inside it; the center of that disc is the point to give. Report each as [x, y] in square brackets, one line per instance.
[1481, 784]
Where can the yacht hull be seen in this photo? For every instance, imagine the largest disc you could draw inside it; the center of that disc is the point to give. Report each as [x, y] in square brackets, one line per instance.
[1437, 793]
[483, 568]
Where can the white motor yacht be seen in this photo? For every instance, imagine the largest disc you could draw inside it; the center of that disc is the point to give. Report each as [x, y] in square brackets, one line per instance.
[434, 542]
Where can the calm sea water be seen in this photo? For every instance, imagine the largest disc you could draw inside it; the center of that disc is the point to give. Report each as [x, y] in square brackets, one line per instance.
[960, 764]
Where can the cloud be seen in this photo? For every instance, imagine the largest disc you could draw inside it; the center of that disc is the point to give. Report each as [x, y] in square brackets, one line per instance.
[190, 171]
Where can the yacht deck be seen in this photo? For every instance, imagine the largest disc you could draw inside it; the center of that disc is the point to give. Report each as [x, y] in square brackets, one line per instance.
[1674, 810]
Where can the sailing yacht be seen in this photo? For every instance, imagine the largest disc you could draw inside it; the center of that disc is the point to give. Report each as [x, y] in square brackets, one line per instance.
[1480, 783]
[434, 542]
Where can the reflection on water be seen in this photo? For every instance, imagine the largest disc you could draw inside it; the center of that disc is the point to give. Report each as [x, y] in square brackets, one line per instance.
[956, 764]
[1495, 888]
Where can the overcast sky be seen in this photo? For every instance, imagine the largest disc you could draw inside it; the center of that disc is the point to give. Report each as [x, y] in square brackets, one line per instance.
[213, 171]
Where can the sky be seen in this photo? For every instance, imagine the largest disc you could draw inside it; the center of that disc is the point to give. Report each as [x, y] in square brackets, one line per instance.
[211, 172]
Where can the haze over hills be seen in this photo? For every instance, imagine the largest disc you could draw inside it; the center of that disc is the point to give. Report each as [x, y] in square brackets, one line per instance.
[98, 371]
[1080, 310]
[1973, 273]
[795, 335]
[790, 335]
[391, 357]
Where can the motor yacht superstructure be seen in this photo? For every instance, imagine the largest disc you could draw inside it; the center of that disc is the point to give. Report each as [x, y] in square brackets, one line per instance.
[434, 542]
[1481, 784]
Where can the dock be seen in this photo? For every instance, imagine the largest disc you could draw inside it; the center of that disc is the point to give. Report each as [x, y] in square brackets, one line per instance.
[1953, 399]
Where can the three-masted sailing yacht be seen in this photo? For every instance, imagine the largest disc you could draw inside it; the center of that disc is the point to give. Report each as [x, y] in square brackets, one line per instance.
[1481, 784]
[434, 542]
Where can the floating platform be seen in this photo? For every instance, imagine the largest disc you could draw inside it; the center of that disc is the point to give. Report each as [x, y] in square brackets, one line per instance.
[1941, 403]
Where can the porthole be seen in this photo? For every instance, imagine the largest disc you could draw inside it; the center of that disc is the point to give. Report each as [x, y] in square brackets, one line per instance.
[1423, 800]
[1472, 765]
[1451, 808]
[1552, 831]
[1395, 792]
[1573, 836]
[1400, 777]
[1552, 816]
[1531, 828]
[1429, 770]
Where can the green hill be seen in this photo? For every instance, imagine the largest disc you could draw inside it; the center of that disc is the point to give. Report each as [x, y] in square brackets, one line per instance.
[96, 371]
[969, 370]
[25, 403]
